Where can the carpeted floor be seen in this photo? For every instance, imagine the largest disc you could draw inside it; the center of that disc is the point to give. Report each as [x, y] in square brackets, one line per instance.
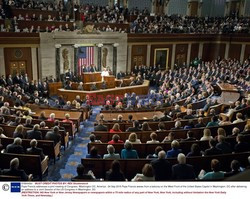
[65, 168]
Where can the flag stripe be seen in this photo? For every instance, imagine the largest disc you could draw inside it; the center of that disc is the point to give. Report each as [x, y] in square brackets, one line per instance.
[88, 60]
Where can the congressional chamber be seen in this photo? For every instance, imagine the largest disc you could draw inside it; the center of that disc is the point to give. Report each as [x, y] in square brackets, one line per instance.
[124, 90]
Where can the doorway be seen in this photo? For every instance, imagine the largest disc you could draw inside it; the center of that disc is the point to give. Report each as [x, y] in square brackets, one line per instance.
[18, 67]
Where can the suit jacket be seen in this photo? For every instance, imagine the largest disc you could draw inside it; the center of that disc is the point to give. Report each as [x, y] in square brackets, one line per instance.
[16, 172]
[183, 172]
[53, 136]
[173, 153]
[13, 148]
[225, 147]
[213, 151]
[162, 169]
[101, 127]
[35, 151]
[241, 147]
[114, 156]
[34, 134]
[132, 129]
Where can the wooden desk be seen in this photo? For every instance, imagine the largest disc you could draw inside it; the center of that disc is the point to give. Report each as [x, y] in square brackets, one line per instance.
[229, 93]
[136, 116]
[97, 97]
[60, 115]
[53, 87]
[91, 77]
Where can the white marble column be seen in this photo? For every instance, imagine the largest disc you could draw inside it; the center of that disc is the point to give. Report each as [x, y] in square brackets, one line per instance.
[200, 50]
[226, 50]
[2, 63]
[34, 63]
[129, 58]
[242, 54]
[148, 54]
[173, 57]
[188, 54]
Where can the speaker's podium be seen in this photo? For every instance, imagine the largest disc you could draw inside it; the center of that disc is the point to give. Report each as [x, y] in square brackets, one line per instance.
[91, 77]
[110, 81]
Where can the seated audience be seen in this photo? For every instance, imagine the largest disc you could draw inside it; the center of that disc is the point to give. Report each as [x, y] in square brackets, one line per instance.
[177, 126]
[28, 122]
[34, 133]
[2, 133]
[235, 169]
[16, 147]
[115, 140]
[195, 151]
[133, 138]
[111, 153]
[128, 152]
[214, 122]
[100, 126]
[200, 123]
[189, 125]
[246, 130]
[223, 145]
[81, 174]
[42, 116]
[161, 127]
[92, 139]
[242, 145]
[166, 117]
[169, 138]
[146, 175]
[155, 155]
[119, 118]
[135, 127]
[224, 121]
[175, 149]
[153, 140]
[162, 167]
[34, 150]
[182, 171]
[115, 173]
[53, 135]
[19, 132]
[239, 118]
[15, 171]
[215, 174]
[213, 150]
[115, 129]
[16, 122]
[190, 136]
[93, 153]
[206, 135]
[145, 127]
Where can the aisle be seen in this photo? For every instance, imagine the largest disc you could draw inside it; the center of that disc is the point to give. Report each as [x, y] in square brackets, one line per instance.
[78, 149]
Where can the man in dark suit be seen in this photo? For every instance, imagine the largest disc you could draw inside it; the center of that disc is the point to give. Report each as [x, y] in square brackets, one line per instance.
[135, 127]
[223, 145]
[242, 145]
[34, 133]
[162, 167]
[15, 171]
[100, 127]
[53, 135]
[213, 150]
[165, 117]
[10, 81]
[16, 122]
[120, 75]
[33, 150]
[15, 147]
[81, 175]
[182, 171]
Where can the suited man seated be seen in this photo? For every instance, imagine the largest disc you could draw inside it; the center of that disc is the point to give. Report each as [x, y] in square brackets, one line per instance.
[93, 87]
[53, 135]
[120, 75]
[34, 150]
[213, 150]
[81, 175]
[15, 171]
[15, 147]
[135, 127]
[104, 85]
[34, 133]
[111, 153]
[162, 167]
[100, 126]
[182, 171]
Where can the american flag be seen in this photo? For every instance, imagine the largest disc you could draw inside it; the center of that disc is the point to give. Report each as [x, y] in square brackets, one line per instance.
[85, 57]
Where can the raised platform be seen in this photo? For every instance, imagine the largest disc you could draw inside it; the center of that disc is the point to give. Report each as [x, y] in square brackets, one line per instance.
[97, 97]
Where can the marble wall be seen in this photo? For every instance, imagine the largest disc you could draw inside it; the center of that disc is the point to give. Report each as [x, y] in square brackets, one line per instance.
[177, 7]
[68, 39]
[2, 64]
[213, 8]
